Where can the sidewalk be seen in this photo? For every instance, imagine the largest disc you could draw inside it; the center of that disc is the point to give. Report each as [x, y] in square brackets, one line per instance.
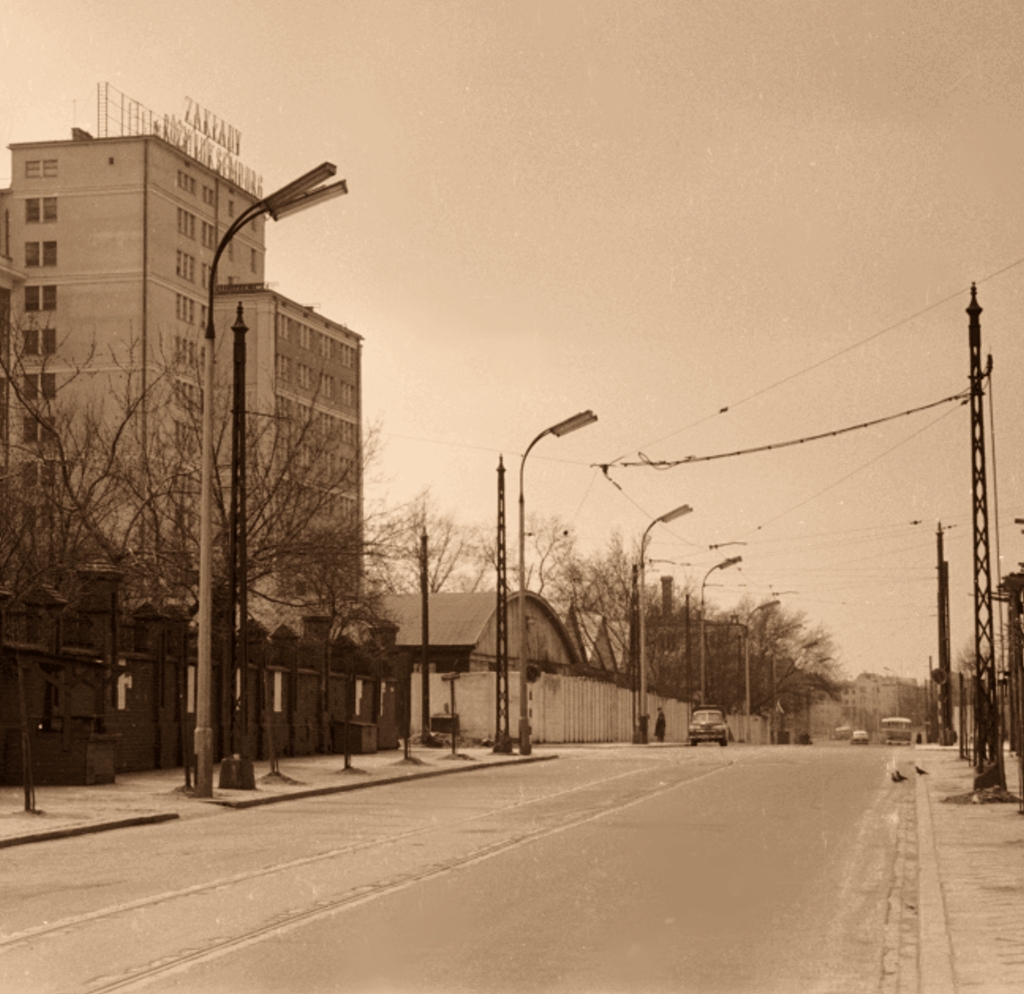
[971, 897]
[159, 795]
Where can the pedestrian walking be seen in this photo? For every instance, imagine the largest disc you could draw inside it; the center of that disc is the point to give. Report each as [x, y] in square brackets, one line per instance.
[659, 726]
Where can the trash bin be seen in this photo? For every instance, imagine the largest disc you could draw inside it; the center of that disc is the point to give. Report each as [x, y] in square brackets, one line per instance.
[444, 724]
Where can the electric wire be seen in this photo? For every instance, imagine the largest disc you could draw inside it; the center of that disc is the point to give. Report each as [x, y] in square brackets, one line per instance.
[854, 472]
[835, 355]
[663, 464]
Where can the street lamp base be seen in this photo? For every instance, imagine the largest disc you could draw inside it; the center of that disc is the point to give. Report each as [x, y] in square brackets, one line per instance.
[203, 740]
[524, 737]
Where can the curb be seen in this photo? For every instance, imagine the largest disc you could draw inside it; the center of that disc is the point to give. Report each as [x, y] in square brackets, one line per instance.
[154, 819]
[102, 826]
[936, 954]
[293, 795]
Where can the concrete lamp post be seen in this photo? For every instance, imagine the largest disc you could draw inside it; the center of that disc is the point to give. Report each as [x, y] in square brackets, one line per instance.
[724, 564]
[640, 732]
[580, 420]
[746, 657]
[306, 191]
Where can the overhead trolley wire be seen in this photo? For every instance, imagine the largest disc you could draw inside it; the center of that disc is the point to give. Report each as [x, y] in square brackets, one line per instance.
[662, 464]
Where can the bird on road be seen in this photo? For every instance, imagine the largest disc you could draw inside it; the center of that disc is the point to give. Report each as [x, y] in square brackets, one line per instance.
[920, 772]
[893, 770]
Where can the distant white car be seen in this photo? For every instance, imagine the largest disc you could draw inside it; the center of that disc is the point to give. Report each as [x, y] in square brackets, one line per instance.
[859, 737]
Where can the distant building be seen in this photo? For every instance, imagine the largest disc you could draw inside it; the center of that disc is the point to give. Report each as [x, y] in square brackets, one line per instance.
[463, 632]
[865, 701]
[106, 253]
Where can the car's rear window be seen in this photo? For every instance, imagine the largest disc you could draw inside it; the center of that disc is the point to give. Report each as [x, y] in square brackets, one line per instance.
[706, 716]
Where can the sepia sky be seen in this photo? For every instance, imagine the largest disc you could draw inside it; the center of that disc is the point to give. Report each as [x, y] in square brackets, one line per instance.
[721, 225]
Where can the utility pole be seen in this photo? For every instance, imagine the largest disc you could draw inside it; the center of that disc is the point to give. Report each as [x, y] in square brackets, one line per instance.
[502, 736]
[944, 679]
[987, 722]
[426, 736]
[634, 653]
[689, 665]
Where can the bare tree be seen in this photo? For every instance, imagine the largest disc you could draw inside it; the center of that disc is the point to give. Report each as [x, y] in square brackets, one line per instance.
[453, 550]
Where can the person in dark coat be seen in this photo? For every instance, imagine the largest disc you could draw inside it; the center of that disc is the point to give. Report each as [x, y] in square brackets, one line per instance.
[659, 726]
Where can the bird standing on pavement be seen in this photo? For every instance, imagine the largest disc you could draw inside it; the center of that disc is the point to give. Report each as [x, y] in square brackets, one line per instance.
[920, 772]
[894, 773]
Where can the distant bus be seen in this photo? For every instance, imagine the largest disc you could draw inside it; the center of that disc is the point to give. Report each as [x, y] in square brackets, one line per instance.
[896, 731]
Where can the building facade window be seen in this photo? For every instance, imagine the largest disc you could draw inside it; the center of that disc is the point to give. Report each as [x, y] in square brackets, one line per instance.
[252, 259]
[185, 266]
[30, 341]
[185, 308]
[40, 298]
[186, 223]
[40, 253]
[34, 168]
[48, 385]
[186, 182]
[345, 354]
[40, 209]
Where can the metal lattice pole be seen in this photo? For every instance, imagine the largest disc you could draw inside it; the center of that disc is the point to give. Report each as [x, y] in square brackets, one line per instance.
[986, 720]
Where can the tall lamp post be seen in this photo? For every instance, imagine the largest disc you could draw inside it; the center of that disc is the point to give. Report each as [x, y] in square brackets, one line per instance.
[640, 732]
[746, 656]
[306, 191]
[580, 420]
[724, 564]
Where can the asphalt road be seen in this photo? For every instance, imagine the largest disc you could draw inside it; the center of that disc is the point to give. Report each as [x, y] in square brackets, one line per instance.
[664, 869]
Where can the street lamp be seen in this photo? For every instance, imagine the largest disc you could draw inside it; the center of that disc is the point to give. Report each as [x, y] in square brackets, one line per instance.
[724, 564]
[580, 420]
[640, 733]
[746, 655]
[306, 191]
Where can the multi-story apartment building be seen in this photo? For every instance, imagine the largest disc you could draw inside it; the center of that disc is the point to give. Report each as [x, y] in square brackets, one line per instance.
[106, 248]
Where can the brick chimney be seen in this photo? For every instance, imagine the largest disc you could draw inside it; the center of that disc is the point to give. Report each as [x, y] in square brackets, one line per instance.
[666, 597]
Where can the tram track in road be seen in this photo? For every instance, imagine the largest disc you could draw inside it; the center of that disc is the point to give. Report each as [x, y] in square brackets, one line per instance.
[288, 921]
[67, 923]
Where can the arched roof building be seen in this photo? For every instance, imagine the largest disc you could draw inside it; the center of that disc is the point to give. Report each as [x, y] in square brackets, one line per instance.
[463, 632]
